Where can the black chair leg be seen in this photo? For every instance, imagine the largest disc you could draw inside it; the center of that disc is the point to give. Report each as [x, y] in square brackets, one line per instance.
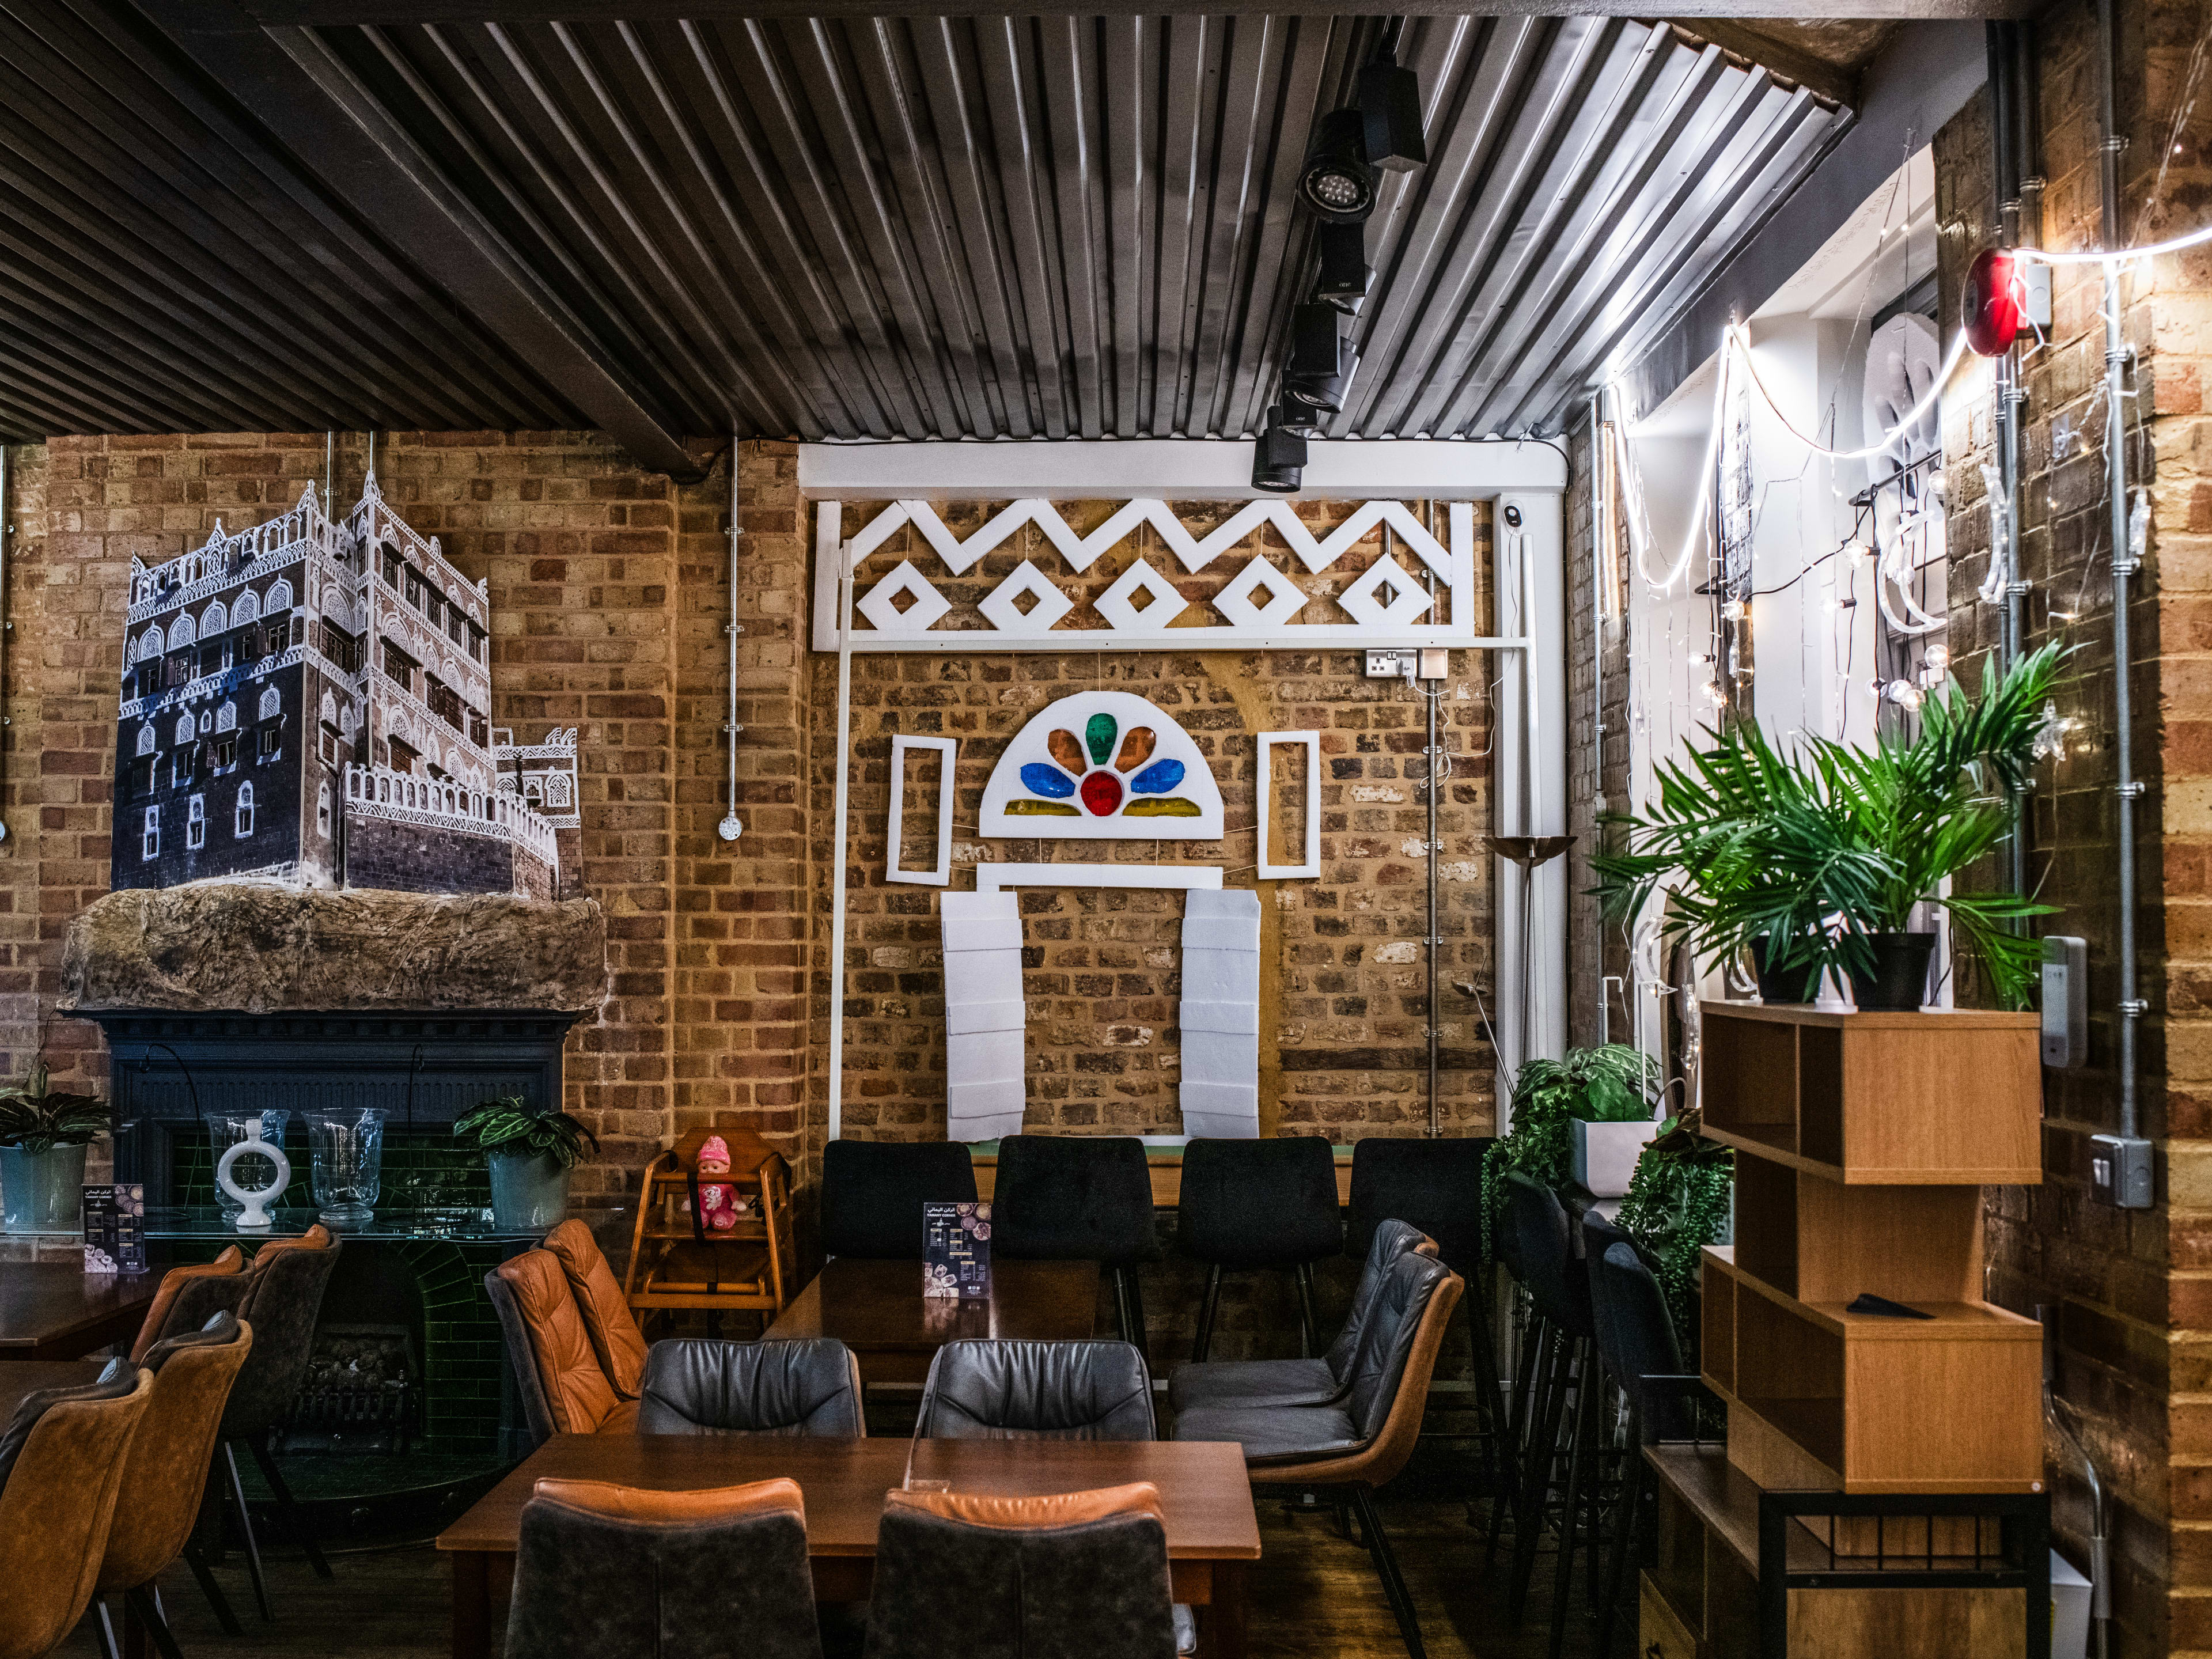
[1203, 1344]
[1579, 1474]
[1386, 1569]
[212, 1590]
[1136, 1331]
[246, 1528]
[1308, 1326]
[1498, 1463]
[1515, 1450]
[143, 1605]
[296, 1518]
[1536, 1473]
[1624, 1535]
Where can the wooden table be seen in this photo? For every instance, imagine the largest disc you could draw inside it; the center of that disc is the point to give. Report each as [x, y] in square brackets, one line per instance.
[28, 1376]
[1212, 1530]
[878, 1310]
[57, 1310]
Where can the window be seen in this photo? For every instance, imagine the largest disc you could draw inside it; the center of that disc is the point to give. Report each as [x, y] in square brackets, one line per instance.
[323, 810]
[186, 730]
[146, 739]
[247, 609]
[272, 705]
[150, 846]
[280, 595]
[271, 742]
[196, 823]
[150, 644]
[389, 556]
[404, 755]
[226, 718]
[330, 709]
[399, 667]
[533, 789]
[245, 811]
[180, 766]
[557, 790]
[455, 628]
[226, 752]
[215, 620]
[181, 634]
[142, 777]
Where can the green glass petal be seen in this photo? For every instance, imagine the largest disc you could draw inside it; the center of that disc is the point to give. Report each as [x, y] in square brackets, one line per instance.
[1170, 806]
[1041, 808]
[1099, 734]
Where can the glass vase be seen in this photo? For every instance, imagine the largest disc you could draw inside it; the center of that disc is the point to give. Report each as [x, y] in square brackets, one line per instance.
[345, 1158]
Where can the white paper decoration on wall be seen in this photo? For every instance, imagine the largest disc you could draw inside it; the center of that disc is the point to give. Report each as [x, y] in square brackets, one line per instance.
[1220, 1014]
[984, 1017]
[1102, 766]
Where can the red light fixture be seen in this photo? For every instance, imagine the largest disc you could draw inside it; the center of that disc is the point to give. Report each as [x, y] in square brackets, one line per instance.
[1994, 316]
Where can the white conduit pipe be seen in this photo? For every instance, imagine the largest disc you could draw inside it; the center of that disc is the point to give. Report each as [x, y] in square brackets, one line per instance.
[837, 543]
[731, 826]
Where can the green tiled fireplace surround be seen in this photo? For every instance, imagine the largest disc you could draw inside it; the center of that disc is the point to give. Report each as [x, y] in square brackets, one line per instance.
[463, 1355]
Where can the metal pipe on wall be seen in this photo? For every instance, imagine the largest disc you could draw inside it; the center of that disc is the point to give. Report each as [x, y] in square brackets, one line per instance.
[2125, 555]
[2004, 92]
[731, 826]
[7, 525]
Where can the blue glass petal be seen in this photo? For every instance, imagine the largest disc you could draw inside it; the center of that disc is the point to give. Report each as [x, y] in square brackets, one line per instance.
[1157, 778]
[1040, 779]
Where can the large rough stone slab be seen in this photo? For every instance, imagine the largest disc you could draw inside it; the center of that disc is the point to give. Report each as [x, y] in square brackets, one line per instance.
[263, 947]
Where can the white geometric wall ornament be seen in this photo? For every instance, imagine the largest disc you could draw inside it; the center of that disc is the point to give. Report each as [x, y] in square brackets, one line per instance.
[948, 750]
[1285, 597]
[1102, 766]
[879, 608]
[1309, 866]
[1164, 606]
[1408, 600]
[986, 1019]
[1219, 1015]
[1004, 614]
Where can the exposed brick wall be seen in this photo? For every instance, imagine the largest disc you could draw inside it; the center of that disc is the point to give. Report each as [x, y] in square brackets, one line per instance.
[1597, 755]
[1343, 1018]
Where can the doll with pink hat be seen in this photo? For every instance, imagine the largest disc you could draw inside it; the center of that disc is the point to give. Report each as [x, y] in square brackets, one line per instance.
[719, 1206]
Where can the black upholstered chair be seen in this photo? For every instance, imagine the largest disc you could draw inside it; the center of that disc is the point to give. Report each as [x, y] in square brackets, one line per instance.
[1037, 1391]
[283, 1298]
[1013, 1577]
[1258, 1204]
[1642, 1351]
[607, 1572]
[1558, 1283]
[872, 1192]
[1078, 1198]
[1302, 1382]
[696, 1386]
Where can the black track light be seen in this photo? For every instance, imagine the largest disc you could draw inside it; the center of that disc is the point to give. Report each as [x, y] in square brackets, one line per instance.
[1293, 417]
[1279, 459]
[1345, 274]
[1390, 110]
[1324, 391]
[1338, 186]
[1313, 337]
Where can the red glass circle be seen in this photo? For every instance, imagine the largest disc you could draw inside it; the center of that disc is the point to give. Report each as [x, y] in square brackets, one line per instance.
[1993, 312]
[1101, 793]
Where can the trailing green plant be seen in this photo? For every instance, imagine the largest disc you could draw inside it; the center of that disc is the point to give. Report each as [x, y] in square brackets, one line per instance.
[1818, 849]
[1611, 1083]
[38, 1120]
[508, 1126]
[1677, 1204]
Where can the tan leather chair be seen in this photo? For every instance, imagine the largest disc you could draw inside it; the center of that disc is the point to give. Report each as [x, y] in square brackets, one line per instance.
[166, 1473]
[56, 1503]
[608, 1321]
[565, 1386]
[189, 1297]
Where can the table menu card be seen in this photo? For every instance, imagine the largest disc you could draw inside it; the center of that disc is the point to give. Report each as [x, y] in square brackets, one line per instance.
[956, 1257]
[115, 1229]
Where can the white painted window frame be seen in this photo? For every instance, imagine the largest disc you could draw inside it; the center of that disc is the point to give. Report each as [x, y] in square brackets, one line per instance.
[1310, 864]
[901, 746]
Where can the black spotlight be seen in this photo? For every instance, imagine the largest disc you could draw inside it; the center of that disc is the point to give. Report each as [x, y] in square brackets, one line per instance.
[1390, 110]
[1294, 416]
[1321, 368]
[1338, 186]
[1279, 459]
[1343, 270]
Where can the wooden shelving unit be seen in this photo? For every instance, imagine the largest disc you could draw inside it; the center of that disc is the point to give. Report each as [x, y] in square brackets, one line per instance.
[1863, 1142]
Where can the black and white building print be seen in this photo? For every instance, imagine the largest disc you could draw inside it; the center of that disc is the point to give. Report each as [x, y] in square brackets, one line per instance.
[310, 700]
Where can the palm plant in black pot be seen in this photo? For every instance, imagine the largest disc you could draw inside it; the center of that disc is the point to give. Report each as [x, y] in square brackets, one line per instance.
[1823, 856]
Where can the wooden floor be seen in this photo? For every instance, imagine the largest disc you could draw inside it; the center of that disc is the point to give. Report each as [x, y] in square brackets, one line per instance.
[1314, 1594]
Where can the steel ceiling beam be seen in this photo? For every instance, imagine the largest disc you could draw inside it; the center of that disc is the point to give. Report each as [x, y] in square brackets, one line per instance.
[325, 14]
[320, 110]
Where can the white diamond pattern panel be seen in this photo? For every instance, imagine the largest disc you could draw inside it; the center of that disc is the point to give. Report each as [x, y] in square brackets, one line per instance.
[1285, 599]
[1363, 603]
[1122, 610]
[879, 605]
[1002, 604]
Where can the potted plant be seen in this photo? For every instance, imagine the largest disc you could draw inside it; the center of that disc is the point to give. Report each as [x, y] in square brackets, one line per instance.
[1818, 859]
[529, 1152]
[1681, 1199]
[42, 1136]
[1610, 1088]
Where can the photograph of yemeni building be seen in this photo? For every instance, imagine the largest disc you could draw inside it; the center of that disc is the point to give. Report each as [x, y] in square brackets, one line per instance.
[309, 702]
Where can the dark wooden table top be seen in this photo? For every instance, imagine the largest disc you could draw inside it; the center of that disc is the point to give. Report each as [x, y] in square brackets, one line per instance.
[878, 1307]
[57, 1310]
[28, 1376]
[1205, 1494]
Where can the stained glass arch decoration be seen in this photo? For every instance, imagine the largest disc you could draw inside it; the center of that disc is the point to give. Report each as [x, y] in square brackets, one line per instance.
[1102, 766]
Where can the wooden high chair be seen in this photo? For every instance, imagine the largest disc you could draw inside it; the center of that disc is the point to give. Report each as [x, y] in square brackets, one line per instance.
[675, 1263]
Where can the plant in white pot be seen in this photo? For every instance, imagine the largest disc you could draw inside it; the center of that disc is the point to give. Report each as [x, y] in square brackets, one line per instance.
[529, 1152]
[43, 1135]
[1612, 1090]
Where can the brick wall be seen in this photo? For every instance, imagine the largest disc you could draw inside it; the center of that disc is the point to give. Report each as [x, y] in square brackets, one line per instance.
[1597, 758]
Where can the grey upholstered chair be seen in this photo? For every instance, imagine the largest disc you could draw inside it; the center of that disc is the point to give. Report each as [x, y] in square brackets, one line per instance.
[696, 1386]
[1304, 1381]
[613, 1572]
[1037, 1391]
[990, 1577]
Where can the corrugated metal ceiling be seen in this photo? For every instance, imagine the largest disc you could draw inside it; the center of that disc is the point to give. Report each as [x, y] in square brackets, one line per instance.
[913, 227]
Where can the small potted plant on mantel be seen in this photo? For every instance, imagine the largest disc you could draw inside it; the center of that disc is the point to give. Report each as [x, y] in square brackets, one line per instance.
[529, 1152]
[43, 1135]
